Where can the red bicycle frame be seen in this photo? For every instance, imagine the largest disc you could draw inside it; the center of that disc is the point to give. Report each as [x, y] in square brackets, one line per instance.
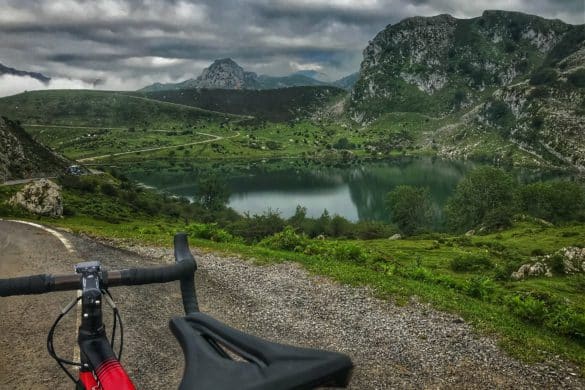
[98, 360]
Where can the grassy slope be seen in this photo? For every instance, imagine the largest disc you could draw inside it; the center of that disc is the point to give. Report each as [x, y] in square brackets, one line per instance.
[90, 123]
[274, 105]
[411, 267]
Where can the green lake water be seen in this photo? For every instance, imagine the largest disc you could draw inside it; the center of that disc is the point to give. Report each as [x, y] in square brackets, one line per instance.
[356, 192]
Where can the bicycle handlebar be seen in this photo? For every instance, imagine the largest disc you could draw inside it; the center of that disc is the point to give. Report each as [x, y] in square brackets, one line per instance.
[183, 270]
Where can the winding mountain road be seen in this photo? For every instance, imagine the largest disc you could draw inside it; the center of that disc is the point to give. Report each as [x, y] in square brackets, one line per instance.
[411, 346]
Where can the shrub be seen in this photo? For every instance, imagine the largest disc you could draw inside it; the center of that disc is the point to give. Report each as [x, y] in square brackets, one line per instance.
[256, 227]
[287, 240]
[527, 308]
[108, 189]
[370, 230]
[471, 263]
[210, 232]
[411, 208]
[480, 287]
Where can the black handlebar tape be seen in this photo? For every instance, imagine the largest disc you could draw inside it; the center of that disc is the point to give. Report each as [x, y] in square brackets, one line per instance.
[163, 274]
[26, 285]
[183, 255]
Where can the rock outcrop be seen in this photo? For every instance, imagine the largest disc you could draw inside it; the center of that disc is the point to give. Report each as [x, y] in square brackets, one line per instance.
[22, 157]
[513, 80]
[42, 197]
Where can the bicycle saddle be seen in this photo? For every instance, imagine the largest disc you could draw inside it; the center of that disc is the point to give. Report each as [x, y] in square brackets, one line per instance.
[264, 365]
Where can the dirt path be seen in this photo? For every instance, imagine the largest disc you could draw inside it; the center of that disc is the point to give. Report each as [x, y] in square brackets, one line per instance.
[214, 138]
[412, 346]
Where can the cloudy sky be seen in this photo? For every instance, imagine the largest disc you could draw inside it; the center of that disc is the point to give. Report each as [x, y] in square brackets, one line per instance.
[127, 44]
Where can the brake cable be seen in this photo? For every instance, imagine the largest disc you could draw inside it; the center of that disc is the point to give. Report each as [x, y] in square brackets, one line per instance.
[50, 345]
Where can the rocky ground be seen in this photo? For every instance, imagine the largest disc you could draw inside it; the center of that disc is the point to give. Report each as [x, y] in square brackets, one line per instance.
[411, 346]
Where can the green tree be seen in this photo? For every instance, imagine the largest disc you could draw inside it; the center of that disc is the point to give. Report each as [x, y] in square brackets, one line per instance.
[411, 208]
[211, 193]
[555, 201]
[486, 196]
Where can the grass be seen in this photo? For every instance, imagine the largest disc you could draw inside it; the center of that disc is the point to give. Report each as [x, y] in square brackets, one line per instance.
[396, 269]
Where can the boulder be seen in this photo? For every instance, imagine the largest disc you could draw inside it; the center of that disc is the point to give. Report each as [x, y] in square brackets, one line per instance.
[42, 197]
[573, 259]
[395, 237]
[531, 270]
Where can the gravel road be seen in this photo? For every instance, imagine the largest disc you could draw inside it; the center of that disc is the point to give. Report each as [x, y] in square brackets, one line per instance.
[412, 346]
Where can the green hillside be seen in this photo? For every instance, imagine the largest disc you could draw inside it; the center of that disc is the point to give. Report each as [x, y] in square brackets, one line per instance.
[101, 109]
[275, 105]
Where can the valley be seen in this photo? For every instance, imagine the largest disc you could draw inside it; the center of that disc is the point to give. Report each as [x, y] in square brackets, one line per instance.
[447, 171]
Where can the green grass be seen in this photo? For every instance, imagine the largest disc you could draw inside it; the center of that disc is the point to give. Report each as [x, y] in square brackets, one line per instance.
[395, 269]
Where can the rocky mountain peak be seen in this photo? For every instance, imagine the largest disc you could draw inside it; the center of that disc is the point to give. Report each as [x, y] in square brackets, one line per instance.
[225, 73]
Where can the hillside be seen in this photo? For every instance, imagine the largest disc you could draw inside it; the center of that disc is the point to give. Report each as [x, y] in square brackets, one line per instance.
[22, 157]
[273, 104]
[507, 79]
[101, 108]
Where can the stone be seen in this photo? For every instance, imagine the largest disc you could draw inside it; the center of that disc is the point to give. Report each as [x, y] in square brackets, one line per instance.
[395, 237]
[42, 197]
[532, 270]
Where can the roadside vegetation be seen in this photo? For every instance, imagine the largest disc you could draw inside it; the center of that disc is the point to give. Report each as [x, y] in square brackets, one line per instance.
[456, 269]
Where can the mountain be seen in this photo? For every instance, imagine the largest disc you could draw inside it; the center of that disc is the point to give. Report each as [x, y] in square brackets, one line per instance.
[11, 71]
[508, 76]
[227, 74]
[22, 157]
[348, 81]
[293, 80]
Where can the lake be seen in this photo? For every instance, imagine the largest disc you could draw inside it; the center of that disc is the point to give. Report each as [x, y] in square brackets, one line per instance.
[356, 192]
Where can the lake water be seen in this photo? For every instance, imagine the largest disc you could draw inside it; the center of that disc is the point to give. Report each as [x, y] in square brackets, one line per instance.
[354, 192]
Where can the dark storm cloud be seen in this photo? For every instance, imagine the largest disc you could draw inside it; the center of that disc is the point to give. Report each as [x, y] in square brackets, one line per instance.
[130, 43]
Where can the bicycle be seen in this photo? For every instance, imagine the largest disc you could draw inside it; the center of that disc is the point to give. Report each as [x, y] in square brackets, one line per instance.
[216, 356]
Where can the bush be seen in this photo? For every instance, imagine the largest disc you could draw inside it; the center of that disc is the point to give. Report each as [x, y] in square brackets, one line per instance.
[370, 230]
[471, 263]
[527, 308]
[78, 183]
[255, 228]
[411, 208]
[108, 189]
[485, 196]
[210, 232]
[287, 240]
[480, 287]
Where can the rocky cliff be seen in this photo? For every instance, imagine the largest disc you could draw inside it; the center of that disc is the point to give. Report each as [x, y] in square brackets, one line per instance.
[226, 74]
[516, 75]
[22, 157]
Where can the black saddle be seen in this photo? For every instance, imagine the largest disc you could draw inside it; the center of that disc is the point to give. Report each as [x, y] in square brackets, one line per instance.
[257, 364]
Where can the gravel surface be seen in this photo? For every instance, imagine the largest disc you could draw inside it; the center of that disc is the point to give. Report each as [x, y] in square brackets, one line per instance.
[411, 346]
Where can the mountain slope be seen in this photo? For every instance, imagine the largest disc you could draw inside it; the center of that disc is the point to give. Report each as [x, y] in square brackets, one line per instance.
[272, 104]
[22, 157]
[14, 72]
[438, 64]
[503, 83]
[101, 108]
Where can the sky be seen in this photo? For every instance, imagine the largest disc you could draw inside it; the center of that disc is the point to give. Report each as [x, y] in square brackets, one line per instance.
[128, 44]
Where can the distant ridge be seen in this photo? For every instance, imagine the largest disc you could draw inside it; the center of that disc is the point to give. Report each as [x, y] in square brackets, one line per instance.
[225, 73]
[21, 73]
